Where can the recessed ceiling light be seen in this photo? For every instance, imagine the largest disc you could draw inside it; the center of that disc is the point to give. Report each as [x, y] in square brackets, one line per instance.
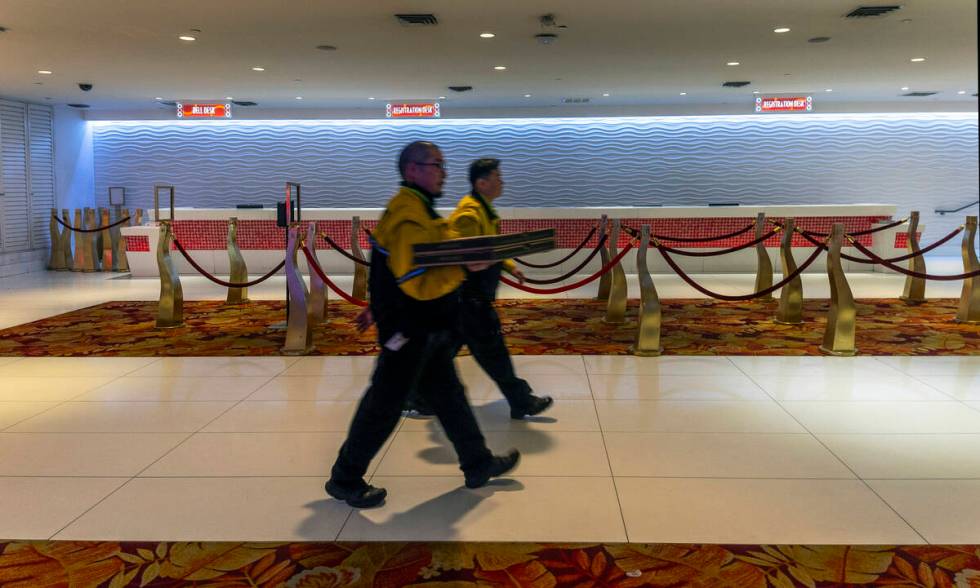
[487, 35]
[370, 97]
[44, 72]
[442, 97]
[917, 59]
[756, 92]
[905, 88]
[527, 95]
[158, 98]
[228, 98]
[258, 69]
[187, 38]
[781, 30]
[829, 90]
[500, 67]
[299, 97]
[683, 93]
[606, 94]
[734, 63]
[962, 92]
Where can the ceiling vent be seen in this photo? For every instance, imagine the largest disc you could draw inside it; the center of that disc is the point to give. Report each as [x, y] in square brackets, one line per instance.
[735, 84]
[417, 20]
[866, 11]
[576, 100]
[168, 102]
[919, 94]
[460, 88]
[818, 39]
[244, 103]
[79, 105]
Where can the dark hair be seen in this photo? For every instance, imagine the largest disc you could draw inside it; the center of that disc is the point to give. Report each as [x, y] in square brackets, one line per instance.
[414, 153]
[482, 168]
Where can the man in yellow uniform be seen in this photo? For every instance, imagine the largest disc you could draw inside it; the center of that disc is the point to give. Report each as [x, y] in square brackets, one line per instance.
[417, 315]
[475, 216]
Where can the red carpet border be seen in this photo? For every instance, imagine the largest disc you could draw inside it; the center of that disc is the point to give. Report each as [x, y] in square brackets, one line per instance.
[532, 327]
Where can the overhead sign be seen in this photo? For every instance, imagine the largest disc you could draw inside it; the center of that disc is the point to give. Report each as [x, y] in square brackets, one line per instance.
[784, 104]
[412, 110]
[199, 110]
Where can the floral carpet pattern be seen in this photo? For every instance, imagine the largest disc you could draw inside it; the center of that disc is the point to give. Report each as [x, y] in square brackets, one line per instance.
[461, 565]
[690, 327]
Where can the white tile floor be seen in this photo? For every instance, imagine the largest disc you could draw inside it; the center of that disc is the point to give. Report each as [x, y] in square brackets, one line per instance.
[678, 449]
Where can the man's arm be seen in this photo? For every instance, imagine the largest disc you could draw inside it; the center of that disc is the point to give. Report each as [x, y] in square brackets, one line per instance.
[421, 283]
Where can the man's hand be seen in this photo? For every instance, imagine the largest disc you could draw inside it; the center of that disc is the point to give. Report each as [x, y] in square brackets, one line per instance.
[478, 266]
[517, 273]
[364, 320]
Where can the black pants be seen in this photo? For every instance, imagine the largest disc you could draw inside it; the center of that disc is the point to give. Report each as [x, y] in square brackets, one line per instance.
[424, 363]
[482, 334]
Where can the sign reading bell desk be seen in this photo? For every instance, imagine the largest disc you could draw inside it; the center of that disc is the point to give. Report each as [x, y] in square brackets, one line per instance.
[412, 110]
[199, 110]
[784, 104]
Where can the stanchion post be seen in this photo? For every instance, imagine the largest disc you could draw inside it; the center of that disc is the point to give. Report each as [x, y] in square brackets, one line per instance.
[238, 272]
[66, 236]
[914, 291]
[91, 249]
[790, 311]
[763, 271]
[360, 288]
[616, 305]
[838, 336]
[56, 260]
[968, 310]
[140, 215]
[170, 312]
[105, 241]
[116, 243]
[606, 279]
[299, 331]
[80, 245]
[649, 317]
[317, 304]
[120, 256]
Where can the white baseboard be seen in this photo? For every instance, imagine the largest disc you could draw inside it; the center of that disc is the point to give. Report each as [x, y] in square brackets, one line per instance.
[22, 262]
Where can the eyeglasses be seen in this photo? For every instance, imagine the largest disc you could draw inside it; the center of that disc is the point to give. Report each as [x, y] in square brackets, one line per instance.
[440, 164]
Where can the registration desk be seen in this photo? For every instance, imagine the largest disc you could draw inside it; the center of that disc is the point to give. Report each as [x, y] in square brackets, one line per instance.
[203, 232]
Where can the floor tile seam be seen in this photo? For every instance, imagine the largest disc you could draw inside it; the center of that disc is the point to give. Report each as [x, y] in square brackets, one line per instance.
[878, 359]
[605, 449]
[925, 383]
[374, 472]
[844, 463]
[125, 482]
[54, 405]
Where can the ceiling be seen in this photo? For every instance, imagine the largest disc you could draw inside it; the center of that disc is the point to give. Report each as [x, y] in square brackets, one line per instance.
[640, 52]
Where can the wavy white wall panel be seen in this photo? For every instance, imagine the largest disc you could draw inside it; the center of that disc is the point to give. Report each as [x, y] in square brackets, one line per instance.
[915, 161]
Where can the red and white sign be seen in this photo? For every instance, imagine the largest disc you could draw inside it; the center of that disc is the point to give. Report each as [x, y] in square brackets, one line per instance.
[412, 110]
[784, 104]
[198, 110]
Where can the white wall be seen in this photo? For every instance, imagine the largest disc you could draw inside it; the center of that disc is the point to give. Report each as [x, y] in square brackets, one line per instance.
[74, 170]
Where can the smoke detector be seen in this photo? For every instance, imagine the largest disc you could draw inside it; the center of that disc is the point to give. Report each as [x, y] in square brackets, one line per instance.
[460, 88]
[546, 38]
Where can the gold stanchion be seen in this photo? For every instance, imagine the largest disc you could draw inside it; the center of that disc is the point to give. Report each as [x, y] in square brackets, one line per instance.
[790, 311]
[238, 272]
[317, 304]
[969, 307]
[299, 330]
[360, 289]
[105, 241]
[838, 337]
[140, 213]
[649, 316]
[605, 279]
[616, 305]
[80, 245]
[56, 260]
[915, 288]
[91, 249]
[65, 241]
[763, 272]
[170, 312]
[122, 264]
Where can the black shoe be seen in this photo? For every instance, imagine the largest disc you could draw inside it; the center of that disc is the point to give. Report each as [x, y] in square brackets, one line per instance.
[418, 407]
[497, 465]
[535, 406]
[364, 496]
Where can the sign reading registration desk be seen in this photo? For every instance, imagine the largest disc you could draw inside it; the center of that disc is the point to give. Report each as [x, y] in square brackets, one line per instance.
[784, 104]
[199, 110]
[412, 110]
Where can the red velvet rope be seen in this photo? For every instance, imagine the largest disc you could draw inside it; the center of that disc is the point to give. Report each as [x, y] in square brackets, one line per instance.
[922, 251]
[221, 282]
[855, 233]
[764, 292]
[562, 260]
[96, 230]
[585, 262]
[700, 239]
[902, 270]
[722, 251]
[312, 262]
[341, 250]
[578, 284]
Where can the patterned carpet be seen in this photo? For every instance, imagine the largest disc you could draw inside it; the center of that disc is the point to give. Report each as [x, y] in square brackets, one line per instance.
[690, 327]
[459, 565]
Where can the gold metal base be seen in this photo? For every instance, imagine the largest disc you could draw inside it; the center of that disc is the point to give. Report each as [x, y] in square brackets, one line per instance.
[908, 300]
[291, 352]
[776, 320]
[647, 353]
[845, 353]
[962, 322]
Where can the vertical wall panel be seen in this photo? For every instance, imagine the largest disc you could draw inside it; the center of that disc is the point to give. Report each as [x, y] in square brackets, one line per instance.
[14, 204]
[41, 166]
